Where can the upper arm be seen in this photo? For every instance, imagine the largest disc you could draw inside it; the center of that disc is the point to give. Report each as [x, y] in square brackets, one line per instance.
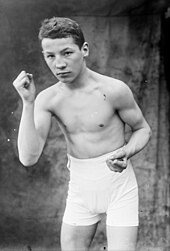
[128, 109]
[42, 118]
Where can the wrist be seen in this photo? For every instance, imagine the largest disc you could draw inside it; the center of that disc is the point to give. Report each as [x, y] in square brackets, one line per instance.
[28, 105]
[127, 153]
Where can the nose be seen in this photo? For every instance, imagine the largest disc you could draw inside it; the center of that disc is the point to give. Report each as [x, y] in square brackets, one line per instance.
[60, 63]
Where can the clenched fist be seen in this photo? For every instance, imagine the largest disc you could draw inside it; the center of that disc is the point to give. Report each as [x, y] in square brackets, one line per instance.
[24, 84]
[118, 161]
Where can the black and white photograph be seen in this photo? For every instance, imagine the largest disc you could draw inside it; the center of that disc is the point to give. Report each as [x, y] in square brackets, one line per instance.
[84, 125]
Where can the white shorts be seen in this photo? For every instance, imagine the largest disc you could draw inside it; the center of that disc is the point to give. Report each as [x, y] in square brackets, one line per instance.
[94, 189]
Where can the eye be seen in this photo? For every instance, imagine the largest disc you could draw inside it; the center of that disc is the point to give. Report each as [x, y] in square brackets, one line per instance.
[49, 56]
[67, 53]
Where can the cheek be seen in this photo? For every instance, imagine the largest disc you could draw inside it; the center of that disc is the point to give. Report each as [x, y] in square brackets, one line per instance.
[48, 63]
[77, 62]
[51, 66]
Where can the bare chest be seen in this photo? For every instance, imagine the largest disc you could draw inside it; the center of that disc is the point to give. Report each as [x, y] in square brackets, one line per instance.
[85, 113]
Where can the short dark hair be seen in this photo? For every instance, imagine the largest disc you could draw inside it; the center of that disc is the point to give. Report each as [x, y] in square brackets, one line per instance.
[61, 27]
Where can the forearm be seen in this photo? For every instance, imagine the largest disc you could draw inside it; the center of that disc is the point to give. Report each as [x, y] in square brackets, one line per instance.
[28, 139]
[137, 141]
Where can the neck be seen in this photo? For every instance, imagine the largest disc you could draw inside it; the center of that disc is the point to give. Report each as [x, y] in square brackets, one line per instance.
[82, 79]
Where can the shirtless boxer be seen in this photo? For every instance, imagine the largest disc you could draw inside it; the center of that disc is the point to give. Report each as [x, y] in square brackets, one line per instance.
[91, 110]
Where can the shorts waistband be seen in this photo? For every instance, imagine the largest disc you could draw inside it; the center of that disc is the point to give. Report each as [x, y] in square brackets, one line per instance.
[98, 159]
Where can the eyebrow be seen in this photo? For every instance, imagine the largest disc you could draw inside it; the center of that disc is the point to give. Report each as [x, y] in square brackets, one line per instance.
[50, 52]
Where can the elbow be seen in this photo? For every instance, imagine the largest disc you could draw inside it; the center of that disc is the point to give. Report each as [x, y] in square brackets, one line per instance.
[28, 162]
[149, 133]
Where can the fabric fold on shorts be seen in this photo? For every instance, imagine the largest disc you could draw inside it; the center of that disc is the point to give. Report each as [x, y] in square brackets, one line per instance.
[94, 189]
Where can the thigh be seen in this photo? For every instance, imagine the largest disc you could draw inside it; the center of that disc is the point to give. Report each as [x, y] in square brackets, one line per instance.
[77, 238]
[122, 238]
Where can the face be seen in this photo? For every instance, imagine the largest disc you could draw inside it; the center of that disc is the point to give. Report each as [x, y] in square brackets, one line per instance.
[64, 58]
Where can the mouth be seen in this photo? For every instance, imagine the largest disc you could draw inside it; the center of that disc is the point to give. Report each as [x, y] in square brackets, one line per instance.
[63, 74]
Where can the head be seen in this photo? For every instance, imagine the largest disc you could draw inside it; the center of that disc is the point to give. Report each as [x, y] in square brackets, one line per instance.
[60, 27]
[64, 47]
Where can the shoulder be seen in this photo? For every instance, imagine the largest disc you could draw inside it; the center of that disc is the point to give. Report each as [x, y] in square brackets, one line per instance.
[48, 93]
[118, 92]
[45, 97]
[115, 87]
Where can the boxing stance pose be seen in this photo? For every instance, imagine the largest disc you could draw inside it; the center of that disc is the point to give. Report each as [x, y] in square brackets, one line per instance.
[92, 111]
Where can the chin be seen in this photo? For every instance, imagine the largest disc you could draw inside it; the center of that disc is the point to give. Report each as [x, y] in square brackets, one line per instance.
[66, 81]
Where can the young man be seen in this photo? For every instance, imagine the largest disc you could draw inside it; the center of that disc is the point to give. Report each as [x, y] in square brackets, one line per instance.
[92, 110]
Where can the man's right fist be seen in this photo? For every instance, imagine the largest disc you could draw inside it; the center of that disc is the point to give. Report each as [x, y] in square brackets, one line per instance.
[24, 84]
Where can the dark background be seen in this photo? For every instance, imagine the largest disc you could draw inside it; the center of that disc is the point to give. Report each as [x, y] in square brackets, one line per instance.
[128, 40]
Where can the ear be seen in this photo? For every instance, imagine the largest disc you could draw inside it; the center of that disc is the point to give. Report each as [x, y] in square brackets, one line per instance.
[85, 49]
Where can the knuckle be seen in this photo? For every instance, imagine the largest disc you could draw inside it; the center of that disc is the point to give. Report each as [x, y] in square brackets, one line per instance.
[15, 84]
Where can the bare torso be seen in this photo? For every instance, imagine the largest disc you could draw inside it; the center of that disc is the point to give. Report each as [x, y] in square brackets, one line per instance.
[87, 117]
